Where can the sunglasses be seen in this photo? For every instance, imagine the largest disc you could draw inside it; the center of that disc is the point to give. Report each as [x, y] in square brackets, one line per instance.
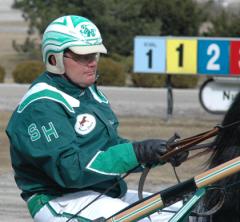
[83, 59]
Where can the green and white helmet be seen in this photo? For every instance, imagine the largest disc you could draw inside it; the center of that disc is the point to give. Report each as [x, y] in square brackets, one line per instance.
[77, 33]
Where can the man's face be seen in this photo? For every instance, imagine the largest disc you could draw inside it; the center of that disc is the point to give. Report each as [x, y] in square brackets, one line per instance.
[80, 69]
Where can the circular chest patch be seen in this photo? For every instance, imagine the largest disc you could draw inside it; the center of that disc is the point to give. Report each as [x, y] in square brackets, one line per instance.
[85, 123]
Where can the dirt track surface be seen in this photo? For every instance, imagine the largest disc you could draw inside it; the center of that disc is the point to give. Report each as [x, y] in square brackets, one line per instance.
[12, 207]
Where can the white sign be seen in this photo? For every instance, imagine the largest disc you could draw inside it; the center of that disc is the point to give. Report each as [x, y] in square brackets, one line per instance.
[149, 54]
[217, 96]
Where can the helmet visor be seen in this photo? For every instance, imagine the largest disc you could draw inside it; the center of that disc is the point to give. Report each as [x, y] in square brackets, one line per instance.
[82, 50]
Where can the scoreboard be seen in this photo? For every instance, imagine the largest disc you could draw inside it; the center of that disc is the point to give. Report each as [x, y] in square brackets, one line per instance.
[187, 55]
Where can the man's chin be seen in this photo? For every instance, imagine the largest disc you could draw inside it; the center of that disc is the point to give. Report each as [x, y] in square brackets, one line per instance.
[87, 83]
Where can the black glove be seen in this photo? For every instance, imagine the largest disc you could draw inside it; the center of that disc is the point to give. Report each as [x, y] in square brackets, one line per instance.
[178, 159]
[150, 151]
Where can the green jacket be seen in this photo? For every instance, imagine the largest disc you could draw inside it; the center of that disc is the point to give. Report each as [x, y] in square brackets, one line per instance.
[64, 139]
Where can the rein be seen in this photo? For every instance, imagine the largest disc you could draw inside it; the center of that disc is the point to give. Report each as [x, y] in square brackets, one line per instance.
[191, 142]
[105, 192]
[175, 146]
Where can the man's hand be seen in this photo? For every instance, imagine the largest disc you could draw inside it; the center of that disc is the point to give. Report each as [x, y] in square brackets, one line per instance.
[178, 159]
[150, 152]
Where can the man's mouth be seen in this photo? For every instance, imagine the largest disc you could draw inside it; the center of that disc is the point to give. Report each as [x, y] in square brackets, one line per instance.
[90, 73]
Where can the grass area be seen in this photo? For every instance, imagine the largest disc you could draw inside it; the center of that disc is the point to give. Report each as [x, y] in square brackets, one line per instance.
[139, 129]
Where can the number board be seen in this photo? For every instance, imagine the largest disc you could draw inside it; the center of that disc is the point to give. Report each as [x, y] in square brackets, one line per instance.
[213, 57]
[235, 57]
[149, 54]
[187, 55]
[182, 54]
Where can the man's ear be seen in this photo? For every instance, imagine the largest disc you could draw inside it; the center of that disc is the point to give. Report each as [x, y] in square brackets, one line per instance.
[52, 60]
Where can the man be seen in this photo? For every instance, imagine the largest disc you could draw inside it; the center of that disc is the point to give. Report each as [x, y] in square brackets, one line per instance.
[65, 148]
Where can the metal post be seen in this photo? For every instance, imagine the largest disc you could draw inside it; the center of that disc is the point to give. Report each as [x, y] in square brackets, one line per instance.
[169, 97]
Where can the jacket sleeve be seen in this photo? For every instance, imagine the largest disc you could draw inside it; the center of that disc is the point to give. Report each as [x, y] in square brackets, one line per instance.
[49, 142]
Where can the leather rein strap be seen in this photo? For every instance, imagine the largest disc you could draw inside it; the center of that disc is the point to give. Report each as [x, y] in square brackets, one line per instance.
[185, 144]
[174, 147]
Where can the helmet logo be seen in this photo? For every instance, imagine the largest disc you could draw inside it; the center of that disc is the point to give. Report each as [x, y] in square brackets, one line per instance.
[88, 31]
